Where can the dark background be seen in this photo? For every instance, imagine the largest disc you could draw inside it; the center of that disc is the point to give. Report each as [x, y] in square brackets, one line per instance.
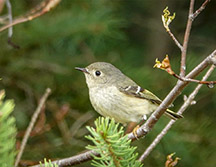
[128, 34]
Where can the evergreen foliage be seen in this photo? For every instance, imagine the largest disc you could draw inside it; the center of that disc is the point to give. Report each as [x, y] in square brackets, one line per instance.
[48, 163]
[112, 145]
[7, 132]
[128, 34]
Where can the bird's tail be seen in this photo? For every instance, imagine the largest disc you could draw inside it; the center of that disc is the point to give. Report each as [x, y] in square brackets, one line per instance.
[173, 115]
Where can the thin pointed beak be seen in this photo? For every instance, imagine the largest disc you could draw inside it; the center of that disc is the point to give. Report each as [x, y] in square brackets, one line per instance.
[82, 69]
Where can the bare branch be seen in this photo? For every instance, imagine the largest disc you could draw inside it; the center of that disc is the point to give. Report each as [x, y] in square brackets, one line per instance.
[34, 14]
[165, 65]
[167, 19]
[198, 11]
[180, 111]
[2, 3]
[10, 29]
[186, 39]
[175, 40]
[31, 124]
[194, 80]
[149, 124]
[77, 159]
[143, 130]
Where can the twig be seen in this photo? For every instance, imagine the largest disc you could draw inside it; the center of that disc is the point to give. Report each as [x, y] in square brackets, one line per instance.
[167, 19]
[49, 5]
[165, 65]
[198, 11]
[180, 111]
[175, 40]
[186, 39]
[144, 129]
[10, 29]
[77, 159]
[2, 2]
[194, 80]
[31, 125]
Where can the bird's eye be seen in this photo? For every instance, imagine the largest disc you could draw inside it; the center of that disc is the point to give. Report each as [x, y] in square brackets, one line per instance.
[97, 73]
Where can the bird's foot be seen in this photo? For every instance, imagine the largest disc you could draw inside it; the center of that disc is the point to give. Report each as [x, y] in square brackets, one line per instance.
[135, 131]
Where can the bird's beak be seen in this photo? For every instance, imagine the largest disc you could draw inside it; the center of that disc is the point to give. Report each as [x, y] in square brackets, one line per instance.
[82, 69]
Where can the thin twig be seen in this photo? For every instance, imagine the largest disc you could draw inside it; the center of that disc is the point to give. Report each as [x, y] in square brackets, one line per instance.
[31, 124]
[198, 11]
[149, 124]
[10, 29]
[144, 129]
[74, 160]
[51, 4]
[2, 2]
[194, 80]
[180, 111]
[186, 39]
[175, 40]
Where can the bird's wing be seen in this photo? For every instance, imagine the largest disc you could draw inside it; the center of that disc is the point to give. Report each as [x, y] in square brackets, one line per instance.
[137, 91]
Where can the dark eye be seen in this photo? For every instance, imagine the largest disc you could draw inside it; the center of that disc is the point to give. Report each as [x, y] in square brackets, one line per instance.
[97, 73]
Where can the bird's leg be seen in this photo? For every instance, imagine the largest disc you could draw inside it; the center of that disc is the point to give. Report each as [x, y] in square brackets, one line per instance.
[144, 118]
[130, 127]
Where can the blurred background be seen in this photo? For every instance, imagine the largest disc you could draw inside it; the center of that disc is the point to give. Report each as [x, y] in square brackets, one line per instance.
[128, 34]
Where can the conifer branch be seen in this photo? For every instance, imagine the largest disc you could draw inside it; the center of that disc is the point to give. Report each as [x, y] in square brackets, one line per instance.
[7, 132]
[144, 129]
[112, 145]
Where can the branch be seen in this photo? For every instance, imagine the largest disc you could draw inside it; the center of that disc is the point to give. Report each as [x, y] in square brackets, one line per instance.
[143, 130]
[165, 65]
[167, 19]
[33, 14]
[31, 124]
[198, 11]
[175, 40]
[74, 160]
[186, 39]
[186, 104]
[149, 124]
[10, 29]
[208, 83]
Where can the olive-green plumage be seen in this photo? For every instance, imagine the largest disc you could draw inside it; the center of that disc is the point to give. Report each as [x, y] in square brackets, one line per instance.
[115, 95]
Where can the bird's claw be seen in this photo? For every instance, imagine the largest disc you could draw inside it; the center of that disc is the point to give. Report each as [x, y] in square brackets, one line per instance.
[135, 131]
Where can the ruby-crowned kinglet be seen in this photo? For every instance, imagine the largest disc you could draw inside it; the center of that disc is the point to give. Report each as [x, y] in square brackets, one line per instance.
[115, 95]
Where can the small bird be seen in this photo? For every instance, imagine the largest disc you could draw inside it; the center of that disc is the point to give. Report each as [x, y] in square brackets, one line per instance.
[114, 95]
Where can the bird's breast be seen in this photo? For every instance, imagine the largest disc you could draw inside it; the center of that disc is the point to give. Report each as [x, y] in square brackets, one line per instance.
[109, 101]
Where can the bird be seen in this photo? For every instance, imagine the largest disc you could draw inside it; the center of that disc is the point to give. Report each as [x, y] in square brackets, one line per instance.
[113, 94]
